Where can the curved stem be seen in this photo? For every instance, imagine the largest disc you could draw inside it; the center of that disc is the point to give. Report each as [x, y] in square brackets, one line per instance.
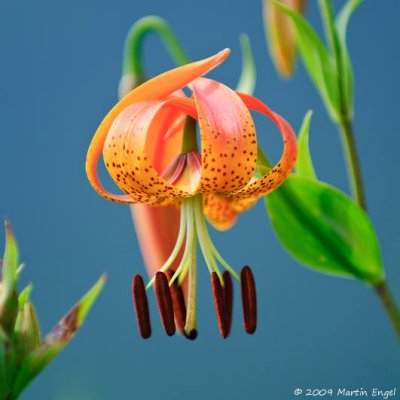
[389, 304]
[132, 60]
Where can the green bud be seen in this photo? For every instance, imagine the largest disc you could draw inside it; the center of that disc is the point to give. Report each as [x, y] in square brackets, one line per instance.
[26, 331]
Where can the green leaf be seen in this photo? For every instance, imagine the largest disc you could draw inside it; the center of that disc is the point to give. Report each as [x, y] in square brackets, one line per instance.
[8, 288]
[247, 80]
[56, 339]
[318, 61]
[304, 166]
[341, 24]
[325, 229]
[24, 296]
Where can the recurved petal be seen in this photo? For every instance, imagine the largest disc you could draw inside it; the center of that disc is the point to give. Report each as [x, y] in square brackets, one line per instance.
[228, 137]
[222, 211]
[162, 149]
[125, 152]
[160, 87]
[282, 169]
[218, 211]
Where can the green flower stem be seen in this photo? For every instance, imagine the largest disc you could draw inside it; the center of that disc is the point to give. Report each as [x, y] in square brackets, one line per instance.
[328, 19]
[352, 162]
[132, 60]
[350, 151]
[345, 123]
[389, 304]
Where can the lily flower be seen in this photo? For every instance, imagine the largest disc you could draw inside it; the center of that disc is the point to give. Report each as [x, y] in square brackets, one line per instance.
[149, 146]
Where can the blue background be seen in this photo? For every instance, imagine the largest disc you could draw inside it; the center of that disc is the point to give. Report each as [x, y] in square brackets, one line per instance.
[59, 70]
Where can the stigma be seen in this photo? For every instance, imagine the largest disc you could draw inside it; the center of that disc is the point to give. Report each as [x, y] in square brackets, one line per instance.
[176, 289]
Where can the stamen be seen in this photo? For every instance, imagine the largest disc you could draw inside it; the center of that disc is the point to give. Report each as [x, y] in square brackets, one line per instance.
[228, 299]
[249, 301]
[218, 295]
[164, 302]
[141, 307]
[177, 247]
[178, 302]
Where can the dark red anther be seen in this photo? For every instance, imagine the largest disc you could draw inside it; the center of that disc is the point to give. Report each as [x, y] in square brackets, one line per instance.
[164, 302]
[228, 299]
[249, 300]
[178, 302]
[141, 307]
[218, 296]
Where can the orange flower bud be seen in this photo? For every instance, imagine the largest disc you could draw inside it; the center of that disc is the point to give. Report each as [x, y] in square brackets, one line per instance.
[281, 35]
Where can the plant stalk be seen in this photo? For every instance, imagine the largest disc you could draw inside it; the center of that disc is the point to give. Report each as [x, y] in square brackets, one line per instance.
[350, 151]
[352, 162]
[389, 304]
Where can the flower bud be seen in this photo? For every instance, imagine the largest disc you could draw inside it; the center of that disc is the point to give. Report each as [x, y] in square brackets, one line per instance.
[26, 331]
[281, 35]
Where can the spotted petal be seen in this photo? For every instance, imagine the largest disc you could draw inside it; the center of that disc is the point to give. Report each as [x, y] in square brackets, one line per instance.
[222, 212]
[228, 137]
[126, 157]
[282, 169]
[157, 88]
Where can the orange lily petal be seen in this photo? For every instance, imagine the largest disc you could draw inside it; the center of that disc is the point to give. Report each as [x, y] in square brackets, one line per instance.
[218, 211]
[125, 151]
[222, 212]
[162, 150]
[228, 137]
[157, 88]
[282, 169]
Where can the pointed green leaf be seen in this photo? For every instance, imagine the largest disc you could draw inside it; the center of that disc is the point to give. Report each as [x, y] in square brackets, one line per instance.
[56, 339]
[8, 289]
[325, 230]
[10, 261]
[24, 296]
[247, 80]
[341, 24]
[304, 165]
[318, 61]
